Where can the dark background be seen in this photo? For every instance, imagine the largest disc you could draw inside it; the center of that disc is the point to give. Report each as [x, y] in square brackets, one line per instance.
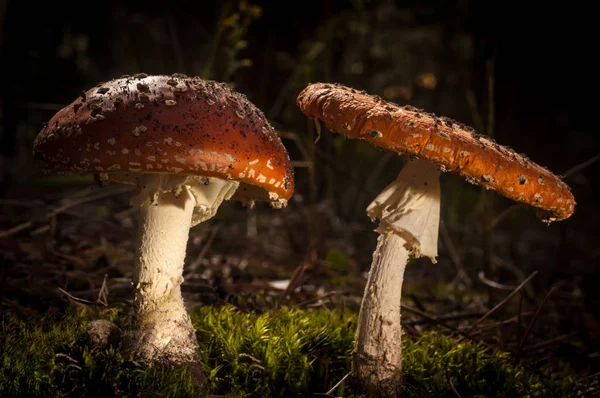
[545, 68]
[434, 54]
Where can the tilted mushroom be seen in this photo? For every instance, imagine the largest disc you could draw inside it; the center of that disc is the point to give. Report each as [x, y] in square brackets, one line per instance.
[409, 207]
[187, 144]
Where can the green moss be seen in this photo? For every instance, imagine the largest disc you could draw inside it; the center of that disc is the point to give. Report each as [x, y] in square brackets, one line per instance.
[50, 359]
[434, 363]
[275, 353]
[271, 354]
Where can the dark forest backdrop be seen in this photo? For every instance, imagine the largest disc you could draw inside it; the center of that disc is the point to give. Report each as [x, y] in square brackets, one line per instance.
[443, 56]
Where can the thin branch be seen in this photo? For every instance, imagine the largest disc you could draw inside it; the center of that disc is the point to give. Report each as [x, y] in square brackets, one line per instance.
[103, 294]
[449, 317]
[550, 342]
[537, 313]
[520, 316]
[321, 297]
[503, 215]
[55, 212]
[454, 390]
[577, 168]
[77, 300]
[500, 304]
[337, 385]
[73, 259]
[454, 256]
[296, 276]
[196, 263]
[489, 326]
[494, 284]
[436, 321]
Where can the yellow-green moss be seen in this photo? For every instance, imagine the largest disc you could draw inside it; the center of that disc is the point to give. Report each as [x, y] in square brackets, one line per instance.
[272, 354]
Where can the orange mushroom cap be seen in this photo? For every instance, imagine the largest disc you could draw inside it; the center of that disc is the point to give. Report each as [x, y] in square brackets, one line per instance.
[451, 145]
[167, 124]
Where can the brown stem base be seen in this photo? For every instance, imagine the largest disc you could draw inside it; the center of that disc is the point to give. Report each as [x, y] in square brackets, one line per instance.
[160, 340]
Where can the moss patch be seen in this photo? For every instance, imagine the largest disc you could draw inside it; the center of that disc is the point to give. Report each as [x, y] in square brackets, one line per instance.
[273, 354]
[434, 364]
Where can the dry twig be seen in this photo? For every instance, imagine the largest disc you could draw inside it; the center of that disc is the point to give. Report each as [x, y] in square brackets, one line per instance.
[500, 304]
[537, 313]
[103, 194]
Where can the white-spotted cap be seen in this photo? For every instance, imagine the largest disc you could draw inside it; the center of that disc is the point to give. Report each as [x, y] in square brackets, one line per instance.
[168, 125]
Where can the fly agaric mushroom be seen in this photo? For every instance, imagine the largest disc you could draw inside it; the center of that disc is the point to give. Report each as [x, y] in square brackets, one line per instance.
[187, 144]
[409, 207]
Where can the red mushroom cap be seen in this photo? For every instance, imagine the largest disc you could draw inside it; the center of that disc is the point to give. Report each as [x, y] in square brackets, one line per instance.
[166, 124]
[453, 146]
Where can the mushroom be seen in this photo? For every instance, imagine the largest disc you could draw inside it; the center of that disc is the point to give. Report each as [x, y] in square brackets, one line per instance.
[187, 144]
[409, 207]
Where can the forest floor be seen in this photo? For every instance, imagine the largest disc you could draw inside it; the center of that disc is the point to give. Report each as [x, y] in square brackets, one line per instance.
[275, 313]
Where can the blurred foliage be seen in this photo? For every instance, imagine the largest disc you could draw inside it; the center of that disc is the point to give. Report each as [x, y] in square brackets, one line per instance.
[431, 56]
[234, 27]
[337, 259]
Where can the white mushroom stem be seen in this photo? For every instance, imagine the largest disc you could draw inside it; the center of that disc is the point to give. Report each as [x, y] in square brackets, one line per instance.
[161, 331]
[409, 211]
[163, 236]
